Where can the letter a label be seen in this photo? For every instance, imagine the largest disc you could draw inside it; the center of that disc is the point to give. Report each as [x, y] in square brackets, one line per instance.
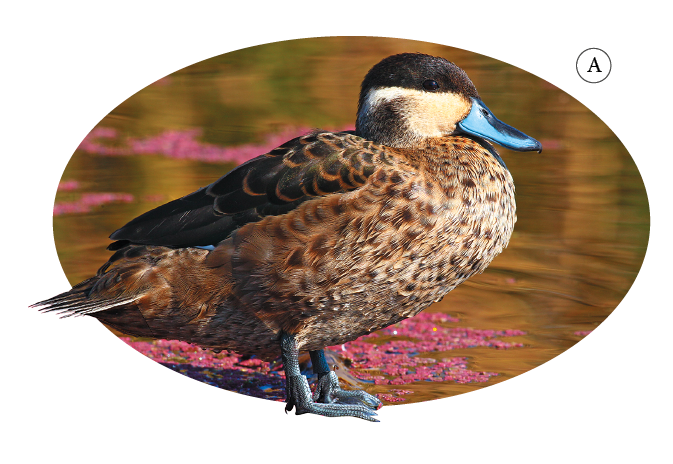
[594, 64]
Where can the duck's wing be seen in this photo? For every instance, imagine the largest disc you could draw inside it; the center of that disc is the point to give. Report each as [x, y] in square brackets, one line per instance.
[317, 164]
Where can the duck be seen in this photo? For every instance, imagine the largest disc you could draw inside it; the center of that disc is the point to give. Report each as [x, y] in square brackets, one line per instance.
[329, 237]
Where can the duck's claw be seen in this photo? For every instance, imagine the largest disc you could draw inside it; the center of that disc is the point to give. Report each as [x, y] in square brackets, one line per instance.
[299, 396]
[328, 391]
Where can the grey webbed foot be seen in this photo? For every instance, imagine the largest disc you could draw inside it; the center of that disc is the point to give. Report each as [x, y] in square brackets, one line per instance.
[328, 391]
[334, 402]
[299, 396]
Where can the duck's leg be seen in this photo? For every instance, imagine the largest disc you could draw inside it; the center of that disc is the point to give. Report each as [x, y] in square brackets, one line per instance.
[298, 392]
[328, 390]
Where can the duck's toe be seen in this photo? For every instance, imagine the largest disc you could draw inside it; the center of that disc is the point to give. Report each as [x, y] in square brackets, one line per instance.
[299, 396]
[328, 391]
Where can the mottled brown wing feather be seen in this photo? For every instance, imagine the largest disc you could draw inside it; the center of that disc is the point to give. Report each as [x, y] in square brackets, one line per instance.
[314, 165]
[317, 164]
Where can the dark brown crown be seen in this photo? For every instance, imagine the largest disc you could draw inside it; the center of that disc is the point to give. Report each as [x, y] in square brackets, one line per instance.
[411, 70]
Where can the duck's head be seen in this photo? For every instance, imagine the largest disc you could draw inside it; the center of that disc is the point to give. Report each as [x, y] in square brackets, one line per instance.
[408, 98]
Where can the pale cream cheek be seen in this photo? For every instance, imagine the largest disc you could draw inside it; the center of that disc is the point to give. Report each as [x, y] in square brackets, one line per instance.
[436, 114]
[426, 114]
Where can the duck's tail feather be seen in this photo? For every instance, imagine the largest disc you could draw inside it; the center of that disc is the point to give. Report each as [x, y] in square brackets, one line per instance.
[147, 291]
[78, 303]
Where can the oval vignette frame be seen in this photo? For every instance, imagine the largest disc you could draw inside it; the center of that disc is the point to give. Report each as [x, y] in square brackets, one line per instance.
[195, 124]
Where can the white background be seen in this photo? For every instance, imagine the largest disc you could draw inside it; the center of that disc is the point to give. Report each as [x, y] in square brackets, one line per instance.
[71, 392]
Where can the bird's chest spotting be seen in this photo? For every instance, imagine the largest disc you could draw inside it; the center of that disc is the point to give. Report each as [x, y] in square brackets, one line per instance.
[463, 219]
[477, 214]
[411, 243]
[432, 230]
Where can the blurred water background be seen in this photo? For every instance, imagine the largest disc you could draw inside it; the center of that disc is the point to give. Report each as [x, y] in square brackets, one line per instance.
[581, 235]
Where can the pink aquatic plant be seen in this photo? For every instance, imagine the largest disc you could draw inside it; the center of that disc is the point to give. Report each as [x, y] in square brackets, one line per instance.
[398, 360]
[88, 201]
[390, 398]
[401, 354]
[582, 333]
[227, 370]
[184, 144]
[67, 186]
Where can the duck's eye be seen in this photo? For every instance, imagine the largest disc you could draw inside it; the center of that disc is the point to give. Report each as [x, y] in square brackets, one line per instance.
[430, 85]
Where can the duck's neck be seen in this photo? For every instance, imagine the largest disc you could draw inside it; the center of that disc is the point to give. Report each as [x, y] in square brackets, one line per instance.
[377, 127]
